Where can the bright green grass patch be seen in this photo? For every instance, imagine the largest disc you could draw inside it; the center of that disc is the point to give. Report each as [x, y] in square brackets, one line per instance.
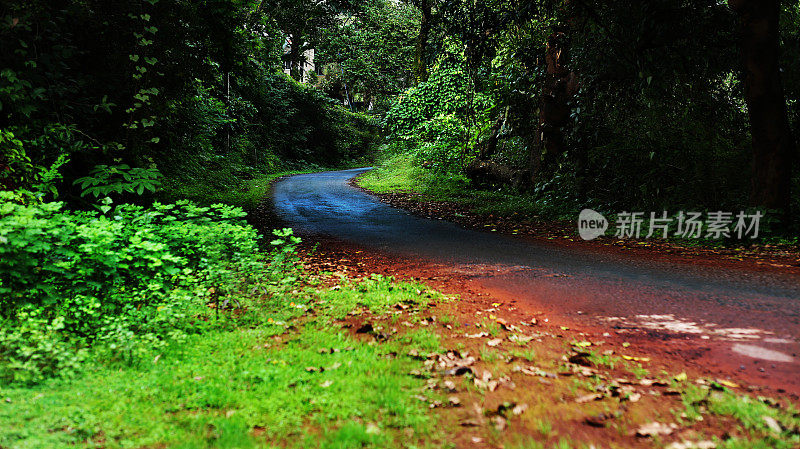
[752, 415]
[396, 174]
[226, 187]
[376, 294]
[399, 174]
[289, 382]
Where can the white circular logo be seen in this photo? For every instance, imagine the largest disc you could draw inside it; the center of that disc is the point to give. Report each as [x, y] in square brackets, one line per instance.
[591, 224]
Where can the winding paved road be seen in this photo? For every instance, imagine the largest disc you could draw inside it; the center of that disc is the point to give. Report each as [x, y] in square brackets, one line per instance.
[756, 312]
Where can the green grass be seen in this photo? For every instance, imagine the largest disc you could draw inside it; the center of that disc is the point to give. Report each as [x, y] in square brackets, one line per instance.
[223, 186]
[526, 443]
[524, 354]
[544, 427]
[752, 430]
[398, 173]
[293, 380]
[371, 294]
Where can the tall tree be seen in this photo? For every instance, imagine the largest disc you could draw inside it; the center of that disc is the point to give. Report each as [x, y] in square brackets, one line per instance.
[558, 88]
[420, 67]
[370, 52]
[773, 145]
[302, 23]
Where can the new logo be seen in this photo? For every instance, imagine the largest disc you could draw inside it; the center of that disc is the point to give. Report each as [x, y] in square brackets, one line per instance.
[591, 224]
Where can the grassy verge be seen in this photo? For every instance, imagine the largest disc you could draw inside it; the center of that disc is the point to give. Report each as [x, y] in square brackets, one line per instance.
[245, 188]
[399, 174]
[518, 383]
[226, 187]
[286, 373]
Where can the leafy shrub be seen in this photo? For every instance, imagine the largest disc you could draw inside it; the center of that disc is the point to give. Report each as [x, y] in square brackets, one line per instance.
[32, 349]
[131, 280]
[284, 254]
[104, 180]
[15, 165]
[443, 149]
[445, 93]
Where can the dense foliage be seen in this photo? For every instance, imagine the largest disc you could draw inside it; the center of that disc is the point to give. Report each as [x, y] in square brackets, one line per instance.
[577, 104]
[125, 281]
[158, 86]
[367, 58]
[615, 106]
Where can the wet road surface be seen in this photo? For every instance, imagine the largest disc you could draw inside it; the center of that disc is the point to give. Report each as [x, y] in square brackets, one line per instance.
[756, 313]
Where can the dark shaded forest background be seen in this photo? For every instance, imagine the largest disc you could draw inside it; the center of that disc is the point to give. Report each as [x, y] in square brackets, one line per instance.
[653, 105]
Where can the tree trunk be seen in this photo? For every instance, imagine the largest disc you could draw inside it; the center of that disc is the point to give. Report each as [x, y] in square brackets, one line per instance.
[420, 68]
[488, 173]
[559, 86]
[773, 146]
[295, 70]
[482, 171]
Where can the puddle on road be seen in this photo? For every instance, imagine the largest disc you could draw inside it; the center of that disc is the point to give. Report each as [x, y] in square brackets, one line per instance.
[489, 270]
[785, 341]
[671, 323]
[757, 352]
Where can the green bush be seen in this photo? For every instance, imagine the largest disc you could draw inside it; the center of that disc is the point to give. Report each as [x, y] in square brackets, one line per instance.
[445, 93]
[15, 165]
[441, 120]
[126, 281]
[32, 349]
[444, 146]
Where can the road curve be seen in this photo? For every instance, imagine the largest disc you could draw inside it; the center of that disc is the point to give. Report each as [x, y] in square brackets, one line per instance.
[757, 312]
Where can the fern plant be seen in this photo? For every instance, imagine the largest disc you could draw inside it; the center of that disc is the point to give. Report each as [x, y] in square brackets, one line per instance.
[104, 180]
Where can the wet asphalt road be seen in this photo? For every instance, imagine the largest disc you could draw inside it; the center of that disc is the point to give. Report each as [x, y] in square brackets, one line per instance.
[758, 312]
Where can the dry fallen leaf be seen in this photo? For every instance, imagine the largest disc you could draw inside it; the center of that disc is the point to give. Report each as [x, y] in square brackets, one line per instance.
[589, 398]
[478, 335]
[655, 429]
[470, 423]
[692, 445]
[499, 423]
[519, 409]
[634, 397]
[520, 338]
[727, 383]
[601, 419]
[773, 425]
